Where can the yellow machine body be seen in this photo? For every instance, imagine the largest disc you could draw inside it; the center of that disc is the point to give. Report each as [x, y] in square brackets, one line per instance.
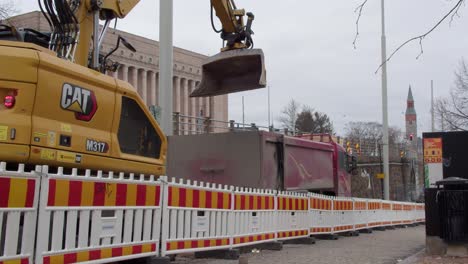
[68, 115]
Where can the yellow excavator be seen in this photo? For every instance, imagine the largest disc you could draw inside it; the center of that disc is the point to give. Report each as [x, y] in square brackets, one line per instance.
[59, 108]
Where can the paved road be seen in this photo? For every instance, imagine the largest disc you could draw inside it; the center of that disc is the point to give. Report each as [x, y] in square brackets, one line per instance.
[386, 247]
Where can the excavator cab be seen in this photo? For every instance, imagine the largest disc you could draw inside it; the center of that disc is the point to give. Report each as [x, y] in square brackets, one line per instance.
[232, 71]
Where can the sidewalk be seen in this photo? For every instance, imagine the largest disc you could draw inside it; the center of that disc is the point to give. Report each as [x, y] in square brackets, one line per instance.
[387, 247]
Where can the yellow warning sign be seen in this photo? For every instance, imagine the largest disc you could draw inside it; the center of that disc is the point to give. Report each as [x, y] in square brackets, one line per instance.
[3, 133]
[66, 128]
[47, 154]
[67, 157]
[433, 150]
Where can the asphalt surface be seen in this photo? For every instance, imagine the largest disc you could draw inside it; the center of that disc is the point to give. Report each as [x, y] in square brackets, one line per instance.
[380, 247]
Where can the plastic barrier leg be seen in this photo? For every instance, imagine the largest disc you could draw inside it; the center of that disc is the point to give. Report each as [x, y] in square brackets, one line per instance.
[301, 241]
[365, 231]
[230, 254]
[327, 237]
[273, 245]
[350, 234]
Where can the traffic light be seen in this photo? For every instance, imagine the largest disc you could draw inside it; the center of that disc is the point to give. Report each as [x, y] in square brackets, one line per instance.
[348, 147]
[402, 154]
[358, 149]
[411, 137]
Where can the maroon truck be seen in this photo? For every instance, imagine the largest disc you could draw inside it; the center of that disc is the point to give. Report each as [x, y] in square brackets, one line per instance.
[264, 160]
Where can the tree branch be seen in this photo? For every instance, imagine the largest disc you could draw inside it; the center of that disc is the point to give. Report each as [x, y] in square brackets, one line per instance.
[358, 10]
[421, 37]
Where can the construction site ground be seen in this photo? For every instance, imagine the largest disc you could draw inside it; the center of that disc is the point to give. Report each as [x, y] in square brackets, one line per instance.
[380, 247]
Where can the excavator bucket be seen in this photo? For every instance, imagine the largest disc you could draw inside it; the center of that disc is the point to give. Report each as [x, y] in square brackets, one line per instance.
[232, 71]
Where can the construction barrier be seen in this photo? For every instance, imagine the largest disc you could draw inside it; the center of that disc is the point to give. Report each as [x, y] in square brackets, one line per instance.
[343, 213]
[97, 217]
[18, 214]
[254, 217]
[386, 212]
[360, 214]
[196, 217]
[57, 217]
[321, 214]
[375, 214]
[292, 216]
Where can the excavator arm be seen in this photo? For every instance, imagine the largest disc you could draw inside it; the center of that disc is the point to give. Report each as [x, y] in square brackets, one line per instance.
[238, 67]
[236, 34]
[75, 24]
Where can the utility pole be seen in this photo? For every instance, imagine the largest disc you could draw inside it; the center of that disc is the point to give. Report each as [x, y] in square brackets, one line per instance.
[386, 169]
[432, 107]
[269, 110]
[243, 113]
[165, 65]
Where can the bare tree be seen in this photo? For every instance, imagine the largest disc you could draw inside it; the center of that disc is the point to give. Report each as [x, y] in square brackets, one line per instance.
[7, 9]
[288, 115]
[452, 13]
[368, 135]
[452, 111]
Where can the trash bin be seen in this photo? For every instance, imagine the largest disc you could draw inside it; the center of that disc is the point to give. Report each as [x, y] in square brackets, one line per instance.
[452, 203]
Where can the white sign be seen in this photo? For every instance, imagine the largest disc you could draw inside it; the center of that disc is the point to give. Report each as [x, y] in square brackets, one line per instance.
[255, 221]
[108, 226]
[201, 224]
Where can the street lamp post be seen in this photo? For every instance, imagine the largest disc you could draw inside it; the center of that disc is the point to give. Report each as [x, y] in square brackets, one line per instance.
[165, 65]
[385, 109]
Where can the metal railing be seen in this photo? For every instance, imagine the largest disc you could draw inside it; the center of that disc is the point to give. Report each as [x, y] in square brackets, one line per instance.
[191, 125]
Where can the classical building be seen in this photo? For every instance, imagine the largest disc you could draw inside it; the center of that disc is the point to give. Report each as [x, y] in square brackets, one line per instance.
[141, 69]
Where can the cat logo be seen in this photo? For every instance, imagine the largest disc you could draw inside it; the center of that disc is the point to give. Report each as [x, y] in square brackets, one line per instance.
[79, 100]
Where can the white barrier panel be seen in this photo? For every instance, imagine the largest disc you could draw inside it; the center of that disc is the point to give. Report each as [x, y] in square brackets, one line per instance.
[374, 210]
[360, 214]
[321, 214]
[408, 209]
[343, 214]
[397, 212]
[386, 213]
[99, 218]
[254, 217]
[420, 213]
[292, 216]
[196, 218]
[19, 192]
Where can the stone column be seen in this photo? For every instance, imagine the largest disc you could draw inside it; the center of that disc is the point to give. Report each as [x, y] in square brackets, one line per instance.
[193, 100]
[207, 106]
[176, 95]
[142, 85]
[149, 79]
[185, 98]
[123, 73]
[155, 92]
[133, 80]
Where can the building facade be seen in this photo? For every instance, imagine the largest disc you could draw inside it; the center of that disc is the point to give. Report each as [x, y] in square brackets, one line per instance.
[141, 69]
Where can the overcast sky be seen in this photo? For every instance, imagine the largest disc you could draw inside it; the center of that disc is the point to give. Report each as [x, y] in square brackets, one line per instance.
[310, 56]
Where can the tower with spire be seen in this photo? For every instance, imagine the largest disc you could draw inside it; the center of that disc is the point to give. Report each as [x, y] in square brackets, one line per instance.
[411, 121]
[412, 139]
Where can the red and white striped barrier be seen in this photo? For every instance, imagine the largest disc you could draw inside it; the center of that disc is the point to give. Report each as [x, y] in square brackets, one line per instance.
[360, 214]
[343, 211]
[321, 214]
[292, 216]
[97, 217]
[19, 192]
[196, 217]
[254, 217]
